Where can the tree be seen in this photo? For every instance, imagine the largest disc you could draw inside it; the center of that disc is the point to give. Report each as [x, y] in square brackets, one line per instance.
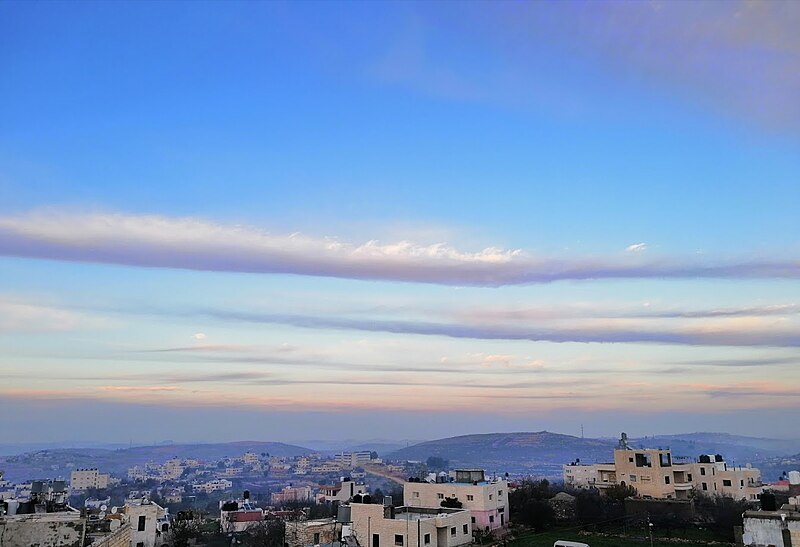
[452, 503]
[620, 492]
[435, 463]
[529, 505]
[720, 513]
[267, 533]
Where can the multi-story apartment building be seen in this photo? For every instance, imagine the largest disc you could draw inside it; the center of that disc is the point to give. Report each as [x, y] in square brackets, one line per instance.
[83, 479]
[353, 459]
[374, 525]
[216, 485]
[486, 500]
[291, 494]
[342, 492]
[654, 474]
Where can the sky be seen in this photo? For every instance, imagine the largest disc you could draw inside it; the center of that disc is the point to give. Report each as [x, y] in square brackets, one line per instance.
[398, 220]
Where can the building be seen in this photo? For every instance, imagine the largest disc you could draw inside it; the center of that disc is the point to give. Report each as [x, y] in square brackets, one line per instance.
[655, 475]
[83, 479]
[486, 500]
[308, 533]
[237, 515]
[374, 525]
[291, 494]
[771, 526]
[45, 520]
[216, 485]
[149, 523]
[342, 493]
[353, 459]
[7, 488]
[324, 467]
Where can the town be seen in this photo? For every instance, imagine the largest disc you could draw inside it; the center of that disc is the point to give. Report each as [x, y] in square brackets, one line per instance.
[359, 499]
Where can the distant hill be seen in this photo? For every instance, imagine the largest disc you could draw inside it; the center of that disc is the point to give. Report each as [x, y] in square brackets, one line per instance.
[542, 453]
[736, 448]
[55, 463]
[539, 453]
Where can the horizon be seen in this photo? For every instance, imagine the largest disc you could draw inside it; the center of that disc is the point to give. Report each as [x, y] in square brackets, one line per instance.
[227, 220]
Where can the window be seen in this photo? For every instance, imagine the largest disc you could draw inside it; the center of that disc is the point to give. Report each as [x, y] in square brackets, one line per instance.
[398, 539]
[490, 496]
[140, 544]
[499, 492]
[666, 480]
[741, 483]
[665, 459]
[630, 460]
[470, 497]
[491, 518]
[473, 520]
[705, 486]
[726, 482]
[453, 531]
[316, 538]
[632, 478]
[416, 494]
[142, 522]
[440, 496]
[466, 528]
[689, 477]
[703, 471]
[642, 460]
[376, 540]
[427, 539]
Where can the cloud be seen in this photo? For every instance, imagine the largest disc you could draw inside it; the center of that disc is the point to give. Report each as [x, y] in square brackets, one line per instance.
[194, 244]
[636, 248]
[738, 58]
[17, 315]
[199, 336]
[726, 334]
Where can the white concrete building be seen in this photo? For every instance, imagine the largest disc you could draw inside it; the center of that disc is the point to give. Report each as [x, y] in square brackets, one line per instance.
[654, 474]
[343, 492]
[375, 525]
[149, 523]
[83, 479]
[216, 485]
[778, 528]
[486, 500]
[353, 459]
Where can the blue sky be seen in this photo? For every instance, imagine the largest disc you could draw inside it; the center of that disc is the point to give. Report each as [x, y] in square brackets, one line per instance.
[458, 217]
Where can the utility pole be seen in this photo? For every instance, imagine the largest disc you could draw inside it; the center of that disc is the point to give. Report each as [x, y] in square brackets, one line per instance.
[650, 529]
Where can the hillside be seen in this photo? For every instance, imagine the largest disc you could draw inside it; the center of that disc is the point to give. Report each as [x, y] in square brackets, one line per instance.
[736, 448]
[540, 453]
[59, 462]
[543, 453]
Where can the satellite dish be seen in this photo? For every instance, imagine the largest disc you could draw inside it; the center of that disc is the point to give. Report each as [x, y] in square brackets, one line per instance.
[114, 510]
[103, 507]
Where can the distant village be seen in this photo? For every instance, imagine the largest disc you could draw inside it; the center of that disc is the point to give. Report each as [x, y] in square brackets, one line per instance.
[356, 499]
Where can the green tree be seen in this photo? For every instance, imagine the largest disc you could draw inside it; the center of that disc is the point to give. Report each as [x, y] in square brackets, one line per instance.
[435, 463]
